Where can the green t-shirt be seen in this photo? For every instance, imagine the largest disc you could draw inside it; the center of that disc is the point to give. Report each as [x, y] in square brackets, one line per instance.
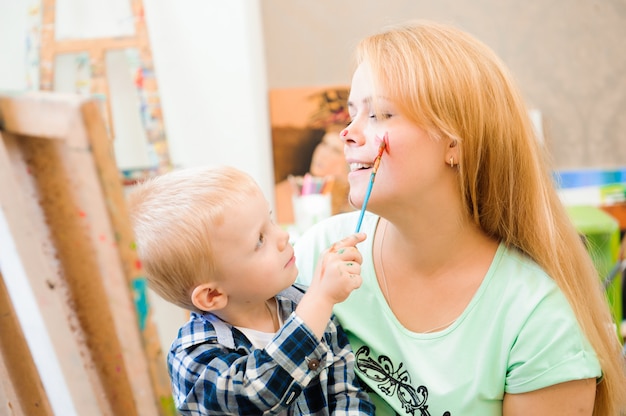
[518, 334]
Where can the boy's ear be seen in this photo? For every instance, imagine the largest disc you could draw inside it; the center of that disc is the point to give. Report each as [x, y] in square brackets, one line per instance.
[208, 297]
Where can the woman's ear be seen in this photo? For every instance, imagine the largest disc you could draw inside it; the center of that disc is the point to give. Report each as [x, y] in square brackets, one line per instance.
[208, 297]
[452, 153]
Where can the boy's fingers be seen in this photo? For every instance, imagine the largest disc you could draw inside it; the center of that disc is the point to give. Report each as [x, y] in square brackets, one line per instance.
[349, 241]
[346, 254]
[355, 280]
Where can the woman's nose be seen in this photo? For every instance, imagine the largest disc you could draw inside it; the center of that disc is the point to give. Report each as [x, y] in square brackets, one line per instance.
[352, 135]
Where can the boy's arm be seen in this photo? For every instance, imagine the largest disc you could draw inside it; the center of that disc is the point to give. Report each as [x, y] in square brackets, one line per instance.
[346, 397]
[337, 274]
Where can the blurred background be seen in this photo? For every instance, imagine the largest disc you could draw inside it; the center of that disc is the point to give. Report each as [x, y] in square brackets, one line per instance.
[188, 83]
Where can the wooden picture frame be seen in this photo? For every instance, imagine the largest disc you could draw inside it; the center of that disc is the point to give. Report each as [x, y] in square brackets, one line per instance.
[62, 197]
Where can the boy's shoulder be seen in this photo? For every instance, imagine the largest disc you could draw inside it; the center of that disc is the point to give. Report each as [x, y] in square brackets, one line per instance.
[207, 329]
[200, 328]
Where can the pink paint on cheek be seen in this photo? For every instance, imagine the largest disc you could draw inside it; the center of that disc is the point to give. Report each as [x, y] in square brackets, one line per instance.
[385, 140]
[344, 133]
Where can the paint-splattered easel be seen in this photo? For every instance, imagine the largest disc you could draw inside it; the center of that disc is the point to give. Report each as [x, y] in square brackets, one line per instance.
[21, 391]
[64, 204]
[94, 85]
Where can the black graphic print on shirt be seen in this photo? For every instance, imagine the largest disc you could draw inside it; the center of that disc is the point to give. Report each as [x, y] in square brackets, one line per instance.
[392, 381]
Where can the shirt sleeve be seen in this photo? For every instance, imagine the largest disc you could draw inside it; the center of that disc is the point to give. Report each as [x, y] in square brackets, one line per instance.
[550, 348]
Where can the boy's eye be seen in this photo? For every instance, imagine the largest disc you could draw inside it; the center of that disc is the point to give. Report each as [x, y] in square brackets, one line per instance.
[260, 241]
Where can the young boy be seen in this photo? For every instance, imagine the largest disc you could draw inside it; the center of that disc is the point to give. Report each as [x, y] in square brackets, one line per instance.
[255, 344]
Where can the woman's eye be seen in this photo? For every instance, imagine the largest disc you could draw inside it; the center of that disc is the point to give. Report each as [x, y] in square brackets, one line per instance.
[382, 116]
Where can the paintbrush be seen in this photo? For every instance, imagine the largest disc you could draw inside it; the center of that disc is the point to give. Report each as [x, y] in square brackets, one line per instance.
[381, 149]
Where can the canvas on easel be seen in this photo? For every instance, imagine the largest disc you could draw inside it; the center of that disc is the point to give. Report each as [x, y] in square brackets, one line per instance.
[63, 201]
[113, 66]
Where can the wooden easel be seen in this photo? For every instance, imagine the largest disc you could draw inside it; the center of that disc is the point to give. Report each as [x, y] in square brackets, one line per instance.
[20, 385]
[61, 195]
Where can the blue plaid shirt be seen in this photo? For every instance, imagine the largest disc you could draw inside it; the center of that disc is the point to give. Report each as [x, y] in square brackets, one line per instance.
[215, 370]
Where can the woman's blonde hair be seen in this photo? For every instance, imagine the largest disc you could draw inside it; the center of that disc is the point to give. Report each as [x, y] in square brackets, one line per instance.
[452, 85]
[173, 217]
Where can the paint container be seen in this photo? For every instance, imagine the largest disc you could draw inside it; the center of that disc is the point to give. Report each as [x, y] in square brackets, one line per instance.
[310, 209]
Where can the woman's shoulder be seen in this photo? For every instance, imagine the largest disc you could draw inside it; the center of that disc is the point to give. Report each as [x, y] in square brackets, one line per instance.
[516, 275]
[511, 259]
[539, 326]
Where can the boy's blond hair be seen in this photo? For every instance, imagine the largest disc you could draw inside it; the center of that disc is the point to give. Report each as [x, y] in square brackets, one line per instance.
[173, 217]
[452, 85]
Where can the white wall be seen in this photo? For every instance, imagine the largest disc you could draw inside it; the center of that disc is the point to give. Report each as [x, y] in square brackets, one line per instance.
[210, 65]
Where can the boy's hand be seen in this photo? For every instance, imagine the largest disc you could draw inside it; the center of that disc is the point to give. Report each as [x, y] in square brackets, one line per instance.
[339, 270]
[337, 274]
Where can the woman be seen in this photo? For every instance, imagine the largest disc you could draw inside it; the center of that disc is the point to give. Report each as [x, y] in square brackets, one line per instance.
[478, 297]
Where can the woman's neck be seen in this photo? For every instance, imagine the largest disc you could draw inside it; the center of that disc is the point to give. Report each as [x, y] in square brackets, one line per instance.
[430, 245]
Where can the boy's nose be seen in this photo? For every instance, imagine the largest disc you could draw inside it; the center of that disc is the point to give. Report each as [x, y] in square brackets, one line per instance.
[283, 239]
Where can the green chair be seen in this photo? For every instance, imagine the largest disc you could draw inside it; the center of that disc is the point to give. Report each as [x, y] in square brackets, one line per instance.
[602, 236]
